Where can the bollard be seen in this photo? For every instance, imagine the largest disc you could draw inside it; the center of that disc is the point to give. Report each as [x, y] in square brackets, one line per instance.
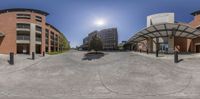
[11, 58]
[33, 55]
[140, 50]
[147, 51]
[175, 57]
[157, 53]
[43, 53]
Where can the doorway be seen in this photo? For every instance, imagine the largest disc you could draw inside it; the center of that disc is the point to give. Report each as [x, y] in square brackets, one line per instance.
[197, 48]
[38, 49]
[23, 48]
[163, 48]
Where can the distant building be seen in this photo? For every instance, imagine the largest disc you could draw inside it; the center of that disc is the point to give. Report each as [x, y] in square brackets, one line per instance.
[109, 38]
[85, 40]
[91, 35]
[85, 43]
[121, 45]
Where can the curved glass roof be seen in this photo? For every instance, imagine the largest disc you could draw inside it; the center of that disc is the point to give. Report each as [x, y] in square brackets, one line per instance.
[166, 30]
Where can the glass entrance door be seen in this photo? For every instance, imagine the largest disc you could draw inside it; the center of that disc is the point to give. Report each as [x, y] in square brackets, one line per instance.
[163, 48]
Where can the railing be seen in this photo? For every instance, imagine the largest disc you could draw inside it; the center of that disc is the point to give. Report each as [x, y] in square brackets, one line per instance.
[38, 39]
[23, 37]
[23, 29]
[39, 29]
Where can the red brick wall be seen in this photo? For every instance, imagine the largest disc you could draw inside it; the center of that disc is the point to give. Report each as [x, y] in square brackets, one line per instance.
[194, 41]
[42, 24]
[8, 26]
[196, 21]
[180, 44]
[55, 33]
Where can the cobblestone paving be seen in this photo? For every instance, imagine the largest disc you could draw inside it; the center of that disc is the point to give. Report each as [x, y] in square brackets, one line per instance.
[117, 75]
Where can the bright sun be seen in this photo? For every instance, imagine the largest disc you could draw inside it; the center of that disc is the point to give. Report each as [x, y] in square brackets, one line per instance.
[100, 22]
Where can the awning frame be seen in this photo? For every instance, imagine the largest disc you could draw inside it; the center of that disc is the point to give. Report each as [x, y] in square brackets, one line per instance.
[174, 28]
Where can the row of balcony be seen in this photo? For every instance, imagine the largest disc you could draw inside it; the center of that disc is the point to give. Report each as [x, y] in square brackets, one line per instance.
[28, 38]
[27, 27]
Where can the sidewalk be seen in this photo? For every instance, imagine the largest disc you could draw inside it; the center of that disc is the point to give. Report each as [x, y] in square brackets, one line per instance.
[168, 56]
[189, 62]
[20, 62]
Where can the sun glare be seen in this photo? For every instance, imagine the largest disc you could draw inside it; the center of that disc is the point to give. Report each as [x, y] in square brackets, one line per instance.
[100, 22]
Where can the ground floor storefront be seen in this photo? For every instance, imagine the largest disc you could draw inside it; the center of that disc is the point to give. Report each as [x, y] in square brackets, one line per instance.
[168, 45]
[25, 49]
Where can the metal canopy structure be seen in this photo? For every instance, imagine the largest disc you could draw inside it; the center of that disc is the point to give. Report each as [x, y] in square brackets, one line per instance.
[166, 30]
[2, 34]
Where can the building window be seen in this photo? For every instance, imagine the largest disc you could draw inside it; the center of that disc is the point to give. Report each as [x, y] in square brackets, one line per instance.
[47, 33]
[23, 16]
[38, 18]
[23, 25]
[47, 42]
[47, 37]
[23, 35]
[52, 43]
[38, 37]
[52, 35]
[56, 38]
[38, 28]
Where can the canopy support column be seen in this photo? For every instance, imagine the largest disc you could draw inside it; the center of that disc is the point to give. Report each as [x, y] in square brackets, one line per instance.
[157, 46]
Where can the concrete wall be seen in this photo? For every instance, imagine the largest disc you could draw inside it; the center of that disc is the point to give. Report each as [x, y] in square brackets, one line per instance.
[32, 39]
[181, 44]
[171, 44]
[142, 45]
[160, 18]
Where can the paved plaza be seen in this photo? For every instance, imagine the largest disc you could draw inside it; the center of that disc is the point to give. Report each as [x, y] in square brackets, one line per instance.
[117, 75]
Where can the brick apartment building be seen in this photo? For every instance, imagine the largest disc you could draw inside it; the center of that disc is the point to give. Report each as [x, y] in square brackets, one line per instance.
[26, 30]
[165, 35]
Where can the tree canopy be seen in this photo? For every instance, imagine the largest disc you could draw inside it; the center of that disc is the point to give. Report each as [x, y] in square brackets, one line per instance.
[96, 43]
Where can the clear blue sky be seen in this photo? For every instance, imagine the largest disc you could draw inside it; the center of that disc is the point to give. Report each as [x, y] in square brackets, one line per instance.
[75, 18]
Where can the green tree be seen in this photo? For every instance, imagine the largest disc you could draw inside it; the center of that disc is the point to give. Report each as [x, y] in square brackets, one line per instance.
[64, 43]
[96, 44]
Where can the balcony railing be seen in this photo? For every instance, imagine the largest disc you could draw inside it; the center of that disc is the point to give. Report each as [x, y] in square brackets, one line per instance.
[23, 37]
[38, 39]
